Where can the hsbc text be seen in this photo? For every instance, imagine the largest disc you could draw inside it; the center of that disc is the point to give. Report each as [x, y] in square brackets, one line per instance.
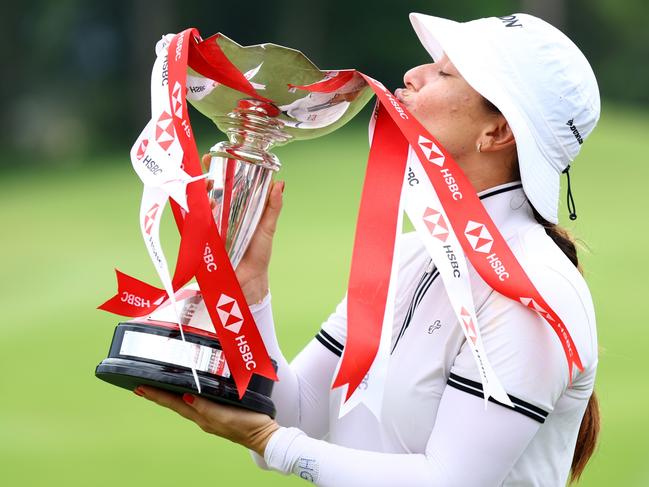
[165, 71]
[154, 250]
[208, 258]
[244, 350]
[453, 260]
[179, 46]
[452, 185]
[134, 300]
[186, 128]
[151, 165]
[396, 105]
[498, 266]
[412, 179]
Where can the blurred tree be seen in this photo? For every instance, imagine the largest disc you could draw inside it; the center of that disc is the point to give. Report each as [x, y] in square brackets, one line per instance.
[553, 11]
[76, 73]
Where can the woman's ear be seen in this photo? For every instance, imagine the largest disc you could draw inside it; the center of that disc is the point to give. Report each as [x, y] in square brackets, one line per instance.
[497, 135]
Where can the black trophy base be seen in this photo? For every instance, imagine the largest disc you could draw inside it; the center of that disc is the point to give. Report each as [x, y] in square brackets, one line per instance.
[129, 371]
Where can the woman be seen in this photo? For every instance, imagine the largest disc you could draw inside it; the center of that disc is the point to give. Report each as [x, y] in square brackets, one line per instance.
[513, 100]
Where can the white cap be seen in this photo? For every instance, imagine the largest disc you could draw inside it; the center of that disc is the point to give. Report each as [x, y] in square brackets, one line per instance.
[538, 79]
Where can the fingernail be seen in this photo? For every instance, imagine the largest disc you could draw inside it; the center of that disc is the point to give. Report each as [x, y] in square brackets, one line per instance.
[188, 398]
[139, 392]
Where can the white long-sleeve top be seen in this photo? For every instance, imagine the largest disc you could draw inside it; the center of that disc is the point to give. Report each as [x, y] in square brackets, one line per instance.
[434, 428]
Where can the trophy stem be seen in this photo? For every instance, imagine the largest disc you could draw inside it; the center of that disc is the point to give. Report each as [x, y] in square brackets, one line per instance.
[242, 169]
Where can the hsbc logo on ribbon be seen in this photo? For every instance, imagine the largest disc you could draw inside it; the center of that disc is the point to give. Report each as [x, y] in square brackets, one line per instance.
[530, 303]
[164, 131]
[467, 324]
[436, 224]
[149, 218]
[177, 100]
[432, 152]
[481, 240]
[479, 237]
[141, 150]
[229, 313]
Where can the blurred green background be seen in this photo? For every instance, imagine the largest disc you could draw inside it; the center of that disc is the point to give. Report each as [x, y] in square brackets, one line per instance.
[74, 97]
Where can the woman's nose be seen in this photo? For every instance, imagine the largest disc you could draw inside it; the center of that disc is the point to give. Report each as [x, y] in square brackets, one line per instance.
[410, 79]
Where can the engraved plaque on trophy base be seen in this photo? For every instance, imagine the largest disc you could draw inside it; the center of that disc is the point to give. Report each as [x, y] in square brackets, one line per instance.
[152, 353]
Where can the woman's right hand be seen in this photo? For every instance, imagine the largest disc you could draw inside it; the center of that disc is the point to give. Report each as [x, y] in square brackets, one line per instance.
[252, 271]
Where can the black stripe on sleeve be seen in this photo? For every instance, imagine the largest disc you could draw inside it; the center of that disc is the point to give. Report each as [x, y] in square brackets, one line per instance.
[475, 388]
[330, 342]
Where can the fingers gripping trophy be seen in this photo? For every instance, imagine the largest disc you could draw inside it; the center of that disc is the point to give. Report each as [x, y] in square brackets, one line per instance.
[177, 339]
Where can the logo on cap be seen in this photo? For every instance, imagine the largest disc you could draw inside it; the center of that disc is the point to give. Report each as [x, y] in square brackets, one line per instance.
[511, 21]
[570, 123]
[164, 131]
[229, 313]
[436, 224]
[431, 151]
[149, 218]
[479, 237]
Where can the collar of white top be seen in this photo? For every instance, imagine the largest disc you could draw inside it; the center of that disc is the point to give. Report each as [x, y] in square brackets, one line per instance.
[507, 206]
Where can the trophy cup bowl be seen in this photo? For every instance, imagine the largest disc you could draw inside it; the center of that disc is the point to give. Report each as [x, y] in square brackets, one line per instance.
[150, 351]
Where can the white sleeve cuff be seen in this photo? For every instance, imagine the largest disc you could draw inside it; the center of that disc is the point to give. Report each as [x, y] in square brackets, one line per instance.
[261, 305]
[277, 455]
[262, 313]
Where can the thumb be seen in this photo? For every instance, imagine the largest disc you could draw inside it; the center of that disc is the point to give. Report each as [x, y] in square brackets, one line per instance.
[268, 222]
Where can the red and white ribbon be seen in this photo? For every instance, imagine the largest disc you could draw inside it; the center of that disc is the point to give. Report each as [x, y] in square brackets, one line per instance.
[372, 290]
[431, 222]
[175, 172]
[156, 157]
[471, 232]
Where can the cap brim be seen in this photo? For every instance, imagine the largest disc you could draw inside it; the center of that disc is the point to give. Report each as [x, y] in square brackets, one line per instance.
[470, 55]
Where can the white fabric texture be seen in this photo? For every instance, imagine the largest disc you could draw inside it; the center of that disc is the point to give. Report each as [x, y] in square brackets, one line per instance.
[434, 428]
[498, 435]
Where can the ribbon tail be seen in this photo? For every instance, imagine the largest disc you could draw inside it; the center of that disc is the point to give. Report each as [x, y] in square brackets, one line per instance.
[372, 389]
[372, 259]
[134, 298]
[207, 59]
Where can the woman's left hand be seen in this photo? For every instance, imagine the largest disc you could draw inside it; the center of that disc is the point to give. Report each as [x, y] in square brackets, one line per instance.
[248, 428]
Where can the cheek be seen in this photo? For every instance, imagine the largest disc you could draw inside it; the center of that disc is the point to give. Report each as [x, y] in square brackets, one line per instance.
[438, 110]
[440, 101]
[447, 115]
[458, 106]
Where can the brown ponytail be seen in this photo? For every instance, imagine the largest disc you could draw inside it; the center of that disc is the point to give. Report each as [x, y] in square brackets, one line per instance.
[590, 423]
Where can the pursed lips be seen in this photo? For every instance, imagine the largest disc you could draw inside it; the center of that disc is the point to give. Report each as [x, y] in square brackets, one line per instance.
[398, 93]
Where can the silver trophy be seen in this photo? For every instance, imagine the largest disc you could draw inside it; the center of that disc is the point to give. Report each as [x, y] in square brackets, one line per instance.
[254, 127]
[241, 170]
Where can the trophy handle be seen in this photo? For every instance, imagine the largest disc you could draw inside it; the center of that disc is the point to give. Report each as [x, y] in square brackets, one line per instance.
[241, 179]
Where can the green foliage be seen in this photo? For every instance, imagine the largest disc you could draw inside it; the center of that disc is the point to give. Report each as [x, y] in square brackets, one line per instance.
[65, 230]
[77, 82]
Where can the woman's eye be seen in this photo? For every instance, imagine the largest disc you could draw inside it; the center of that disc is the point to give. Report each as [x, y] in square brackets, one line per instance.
[442, 73]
